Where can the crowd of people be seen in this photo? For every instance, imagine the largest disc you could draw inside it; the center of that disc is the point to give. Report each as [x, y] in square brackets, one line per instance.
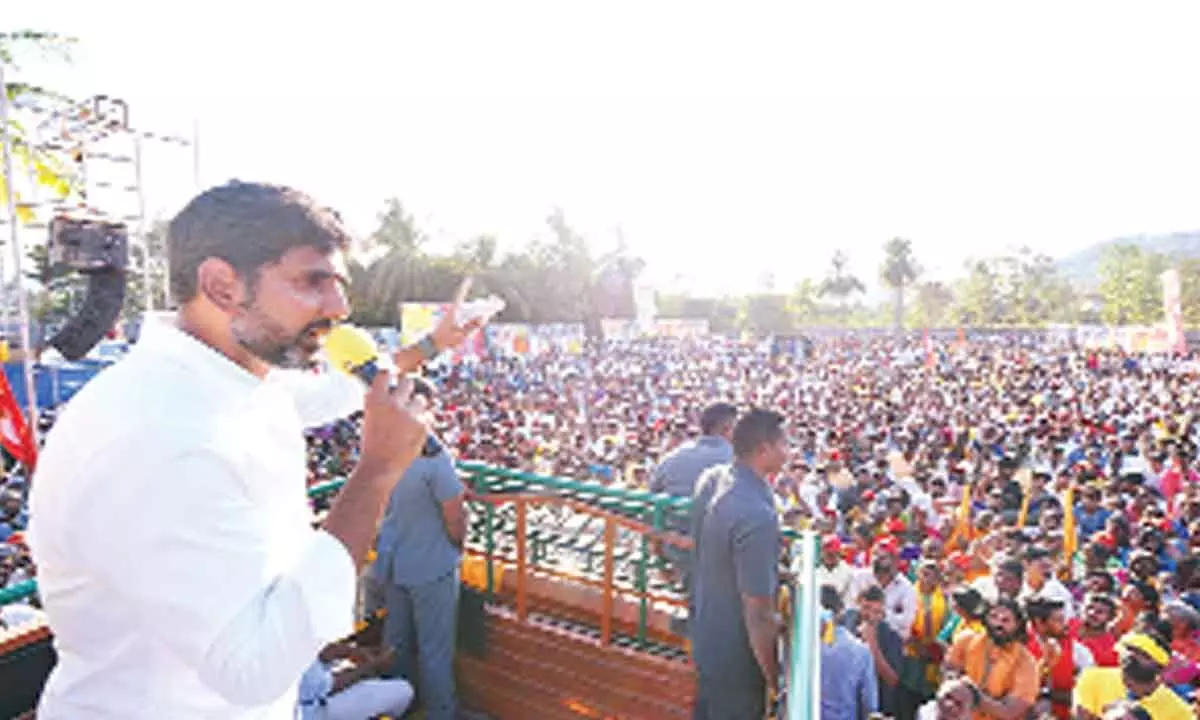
[1006, 526]
[1009, 528]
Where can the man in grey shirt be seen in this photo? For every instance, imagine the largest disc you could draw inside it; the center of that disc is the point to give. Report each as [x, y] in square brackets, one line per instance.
[677, 473]
[735, 626]
[420, 543]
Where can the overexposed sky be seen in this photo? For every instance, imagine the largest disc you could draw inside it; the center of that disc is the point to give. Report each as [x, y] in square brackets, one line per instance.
[726, 140]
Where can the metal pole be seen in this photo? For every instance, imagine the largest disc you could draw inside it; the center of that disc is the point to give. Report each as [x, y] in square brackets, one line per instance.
[15, 241]
[147, 261]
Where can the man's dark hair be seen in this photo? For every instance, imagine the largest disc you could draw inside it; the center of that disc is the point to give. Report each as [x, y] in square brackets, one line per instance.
[1010, 565]
[830, 600]
[1018, 613]
[872, 593]
[716, 416]
[248, 225]
[1102, 598]
[1037, 608]
[754, 429]
[1148, 592]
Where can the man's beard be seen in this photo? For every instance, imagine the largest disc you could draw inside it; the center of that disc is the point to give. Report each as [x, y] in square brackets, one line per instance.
[268, 341]
[1000, 638]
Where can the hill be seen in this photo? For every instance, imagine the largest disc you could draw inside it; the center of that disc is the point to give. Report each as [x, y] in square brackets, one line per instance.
[1083, 266]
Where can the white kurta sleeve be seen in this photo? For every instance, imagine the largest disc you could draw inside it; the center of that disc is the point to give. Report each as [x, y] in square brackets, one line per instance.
[184, 545]
[321, 398]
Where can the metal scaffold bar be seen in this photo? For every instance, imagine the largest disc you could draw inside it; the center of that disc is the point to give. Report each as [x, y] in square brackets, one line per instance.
[14, 239]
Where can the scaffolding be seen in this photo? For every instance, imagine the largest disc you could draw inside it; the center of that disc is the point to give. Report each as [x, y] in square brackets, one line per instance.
[100, 153]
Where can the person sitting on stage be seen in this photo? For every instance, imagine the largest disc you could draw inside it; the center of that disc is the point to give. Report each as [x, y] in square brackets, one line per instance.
[352, 692]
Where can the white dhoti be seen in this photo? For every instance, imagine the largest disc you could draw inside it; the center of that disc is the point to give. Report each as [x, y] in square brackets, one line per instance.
[367, 698]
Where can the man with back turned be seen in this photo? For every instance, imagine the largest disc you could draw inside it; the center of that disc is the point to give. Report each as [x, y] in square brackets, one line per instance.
[677, 474]
[734, 626]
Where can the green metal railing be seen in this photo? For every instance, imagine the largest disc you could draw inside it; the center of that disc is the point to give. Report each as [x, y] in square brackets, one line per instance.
[575, 543]
[553, 535]
[17, 593]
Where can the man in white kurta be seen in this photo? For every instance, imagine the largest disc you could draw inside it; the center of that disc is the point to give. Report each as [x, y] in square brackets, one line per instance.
[178, 566]
[154, 536]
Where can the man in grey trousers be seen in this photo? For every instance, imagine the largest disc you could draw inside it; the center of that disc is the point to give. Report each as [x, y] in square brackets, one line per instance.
[417, 567]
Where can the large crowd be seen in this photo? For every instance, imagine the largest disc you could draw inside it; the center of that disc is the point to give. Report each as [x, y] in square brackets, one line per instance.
[1009, 528]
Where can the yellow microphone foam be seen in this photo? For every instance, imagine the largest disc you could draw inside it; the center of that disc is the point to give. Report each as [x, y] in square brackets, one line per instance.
[351, 349]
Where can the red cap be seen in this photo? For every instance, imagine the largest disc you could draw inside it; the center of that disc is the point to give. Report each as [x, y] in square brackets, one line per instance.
[888, 545]
[832, 543]
[959, 560]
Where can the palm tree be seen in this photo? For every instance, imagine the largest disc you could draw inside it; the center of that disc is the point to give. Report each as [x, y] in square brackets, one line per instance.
[840, 283]
[898, 271]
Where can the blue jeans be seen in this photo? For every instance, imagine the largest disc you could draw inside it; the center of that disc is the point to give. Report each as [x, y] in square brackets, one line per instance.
[421, 625]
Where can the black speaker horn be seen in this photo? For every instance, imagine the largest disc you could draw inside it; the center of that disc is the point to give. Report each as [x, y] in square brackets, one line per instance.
[99, 250]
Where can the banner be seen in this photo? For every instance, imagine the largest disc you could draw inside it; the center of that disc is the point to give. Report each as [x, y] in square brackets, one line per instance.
[1173, 311]
[681, 327]
[510, 338]
[646, 308]
[419, 319]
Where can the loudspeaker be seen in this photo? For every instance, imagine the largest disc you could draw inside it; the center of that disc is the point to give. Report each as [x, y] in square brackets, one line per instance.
[98, 315]
[88, 245]
[100, 250]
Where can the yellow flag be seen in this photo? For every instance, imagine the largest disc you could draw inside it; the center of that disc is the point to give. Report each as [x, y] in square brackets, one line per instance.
[1070, 536]
[962, 526]
[1025, 478]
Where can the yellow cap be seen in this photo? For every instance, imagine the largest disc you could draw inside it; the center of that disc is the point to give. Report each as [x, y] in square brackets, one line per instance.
[1147, 644]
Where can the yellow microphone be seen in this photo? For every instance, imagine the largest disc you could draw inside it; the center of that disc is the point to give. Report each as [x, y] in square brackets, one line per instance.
[353, 351]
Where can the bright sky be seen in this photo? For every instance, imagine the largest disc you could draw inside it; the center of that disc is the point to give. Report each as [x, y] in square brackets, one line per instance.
[726, 140]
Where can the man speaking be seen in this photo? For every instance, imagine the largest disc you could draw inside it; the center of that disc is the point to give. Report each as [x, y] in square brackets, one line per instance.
[176, 556]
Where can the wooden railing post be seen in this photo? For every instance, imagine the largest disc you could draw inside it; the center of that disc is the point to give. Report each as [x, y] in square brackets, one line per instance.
[610, 539]
[521, 569]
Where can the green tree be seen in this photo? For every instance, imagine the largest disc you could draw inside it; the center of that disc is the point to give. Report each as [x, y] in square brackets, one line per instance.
[840, 283]
[1189, 290]
[804, 303]
[978, 297]
[933, 305]
[51, 301]
[768, 314]
[1033, 292]
[149, 254]
[898, 271]
[1130, 285]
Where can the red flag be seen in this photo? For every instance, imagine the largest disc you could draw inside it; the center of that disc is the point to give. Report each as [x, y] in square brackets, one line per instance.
[14, 432]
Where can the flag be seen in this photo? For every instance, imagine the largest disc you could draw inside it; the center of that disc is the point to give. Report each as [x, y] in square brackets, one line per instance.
[930, 357]
[14, 432]
[1070, 534]
[962, 524]
[1025, 480]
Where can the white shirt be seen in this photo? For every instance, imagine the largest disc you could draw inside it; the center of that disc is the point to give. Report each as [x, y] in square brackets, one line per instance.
[840, 577]
[172, 532]
[899, 598]
[901, 605]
